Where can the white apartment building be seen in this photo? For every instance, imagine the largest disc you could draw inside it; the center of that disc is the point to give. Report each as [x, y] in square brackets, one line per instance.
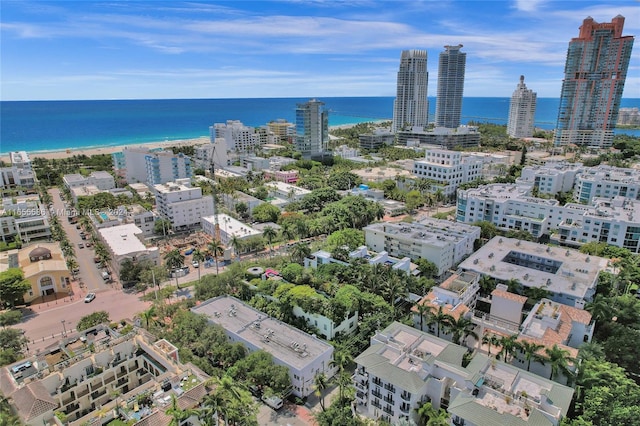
[182, 204]
[152, 166]
[607, 182]
[286, 191]
[462, 136]
[229, 228]
[82, 372]
[346, 152]
[237, 136]
[230, 201]
[101, 179]
[405, 367]
[135, 214]
[456, 296]
[614, 221]
[522, 111]
[20, 160]
[441, 242]
[24, 217]
[322, 257]
[304, 355]
[447, 169]
[552, 177]
[568, 275]
[211, 153]
[254, 163]
[124, 243]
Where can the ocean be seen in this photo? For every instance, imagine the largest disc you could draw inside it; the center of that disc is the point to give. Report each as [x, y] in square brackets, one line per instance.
[58, 125]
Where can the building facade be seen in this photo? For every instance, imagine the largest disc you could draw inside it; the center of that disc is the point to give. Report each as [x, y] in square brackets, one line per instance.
[595, 73]
[451, 68]
[23, 218]
[448, 169]
[460, 137]
[522, 111]
[411, 107]
[182, 204]
[238, 137]
[304, 355]
[312, 128]
[605, 181]
[441, 242]
[45, 268]
[124, 243]
[404, 368]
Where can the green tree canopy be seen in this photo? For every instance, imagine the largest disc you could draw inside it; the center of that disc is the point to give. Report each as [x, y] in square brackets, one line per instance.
[266, 213]
[13, 286]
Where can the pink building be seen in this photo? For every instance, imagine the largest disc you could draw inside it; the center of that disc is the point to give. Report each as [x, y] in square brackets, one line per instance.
[289, 176]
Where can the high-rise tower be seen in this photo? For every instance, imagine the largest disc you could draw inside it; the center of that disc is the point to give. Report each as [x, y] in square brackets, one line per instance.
[522, 111]
[312, 128]
[450, 86]
[594, 76]
[411, 107]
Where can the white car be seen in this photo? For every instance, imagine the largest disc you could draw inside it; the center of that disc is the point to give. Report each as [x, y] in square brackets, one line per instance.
[89, 297]
[195, 264]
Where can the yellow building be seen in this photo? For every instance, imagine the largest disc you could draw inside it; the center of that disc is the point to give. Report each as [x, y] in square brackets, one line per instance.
[44, 266]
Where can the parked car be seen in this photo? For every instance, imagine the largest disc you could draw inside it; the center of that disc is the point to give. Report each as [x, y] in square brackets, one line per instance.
[80, 245]
[188, 252]
[89, 297]
[195, 264]
[273, 401]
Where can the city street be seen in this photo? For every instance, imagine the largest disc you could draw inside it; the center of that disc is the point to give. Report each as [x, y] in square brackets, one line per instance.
[43, 324]
[89, 273]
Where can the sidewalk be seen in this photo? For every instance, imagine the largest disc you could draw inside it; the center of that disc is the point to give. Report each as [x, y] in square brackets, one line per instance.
[53, 301]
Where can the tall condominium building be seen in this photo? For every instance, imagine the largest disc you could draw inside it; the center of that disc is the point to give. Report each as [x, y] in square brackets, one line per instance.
[312, 128]
[411, 107]
[450, 86]
[522, 111]
[595, 72]
[237, 136]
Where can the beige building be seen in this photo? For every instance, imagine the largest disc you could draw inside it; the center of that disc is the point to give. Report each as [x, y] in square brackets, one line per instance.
[45, 268]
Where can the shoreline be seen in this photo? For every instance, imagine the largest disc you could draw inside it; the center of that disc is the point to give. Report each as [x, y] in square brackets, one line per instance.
[59, 154]
[96, 150]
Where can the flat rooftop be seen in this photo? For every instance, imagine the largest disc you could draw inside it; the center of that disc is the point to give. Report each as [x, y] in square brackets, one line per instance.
[232, 226]
[435, 236]
[123, 239]
[557, 269]
[288, 344]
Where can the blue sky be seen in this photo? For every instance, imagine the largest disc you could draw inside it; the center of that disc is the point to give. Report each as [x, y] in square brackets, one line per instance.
[290, 48]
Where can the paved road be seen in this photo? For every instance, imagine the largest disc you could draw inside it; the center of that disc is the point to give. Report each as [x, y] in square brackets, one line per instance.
[89, 273]
[43, 323]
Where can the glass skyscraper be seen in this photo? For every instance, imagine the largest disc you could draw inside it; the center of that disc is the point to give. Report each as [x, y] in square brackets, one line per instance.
[411, 107]
[451, 68]
[312, 128]
[594, 76]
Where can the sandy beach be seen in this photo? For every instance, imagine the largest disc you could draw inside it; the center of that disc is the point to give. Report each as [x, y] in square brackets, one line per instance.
[66, 153]
[111, 149]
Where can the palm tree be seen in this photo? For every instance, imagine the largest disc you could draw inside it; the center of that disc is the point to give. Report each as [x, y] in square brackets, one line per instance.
[178, 416]
[559, 359]
[235, 243]
[393, 288]
[432, 417]
[461, 329]
[344, 382]
[174, 259]
[600, 309]
[269, 233]
[198, 256]
[72, 265]
[441, 319]
[422, 309]
[148, 316]
[233, 400]
[530, 350]
[320, 382]
[490, 339]
[216, 249]
[508, 347]
[299, 252]
[513, 285]
[341, 359]
[286, 232]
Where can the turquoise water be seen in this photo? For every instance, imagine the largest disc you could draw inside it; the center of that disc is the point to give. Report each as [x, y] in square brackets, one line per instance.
[59, 125]
[104, 216]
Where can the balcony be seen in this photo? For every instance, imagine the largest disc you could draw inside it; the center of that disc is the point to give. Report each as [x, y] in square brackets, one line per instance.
[389, 410]
[363, 386]
[377, 381]
[405, 408]
[389, 400]
[390, 387]
[376, 393]
[82, 392]
[376, 403]
[98, 394]
[406, 396]
[109, 379]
